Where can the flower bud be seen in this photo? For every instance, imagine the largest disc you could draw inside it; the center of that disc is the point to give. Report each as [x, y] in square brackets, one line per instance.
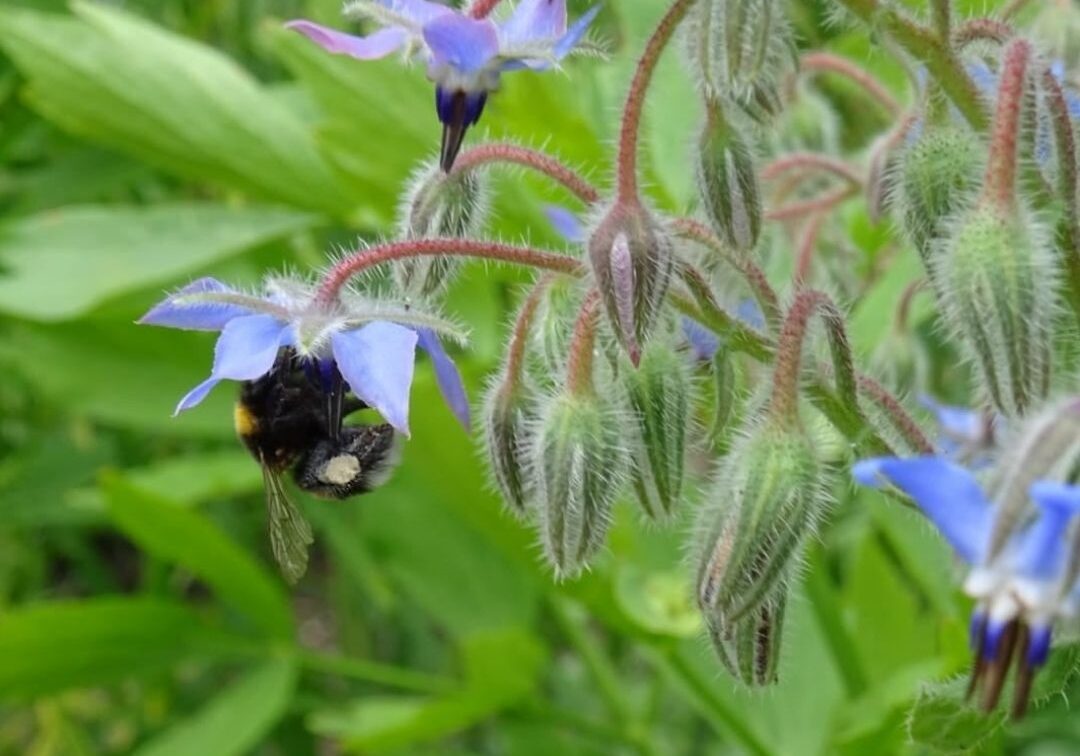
[580, 464]
[725, 393]
[508, 419]
[750, 648]
[766, 499]
[997, 275]
[633, 259]
[742, 50]
[438, 204]
[553, 331]
[659, 393]
[938, 175]
[728, 184]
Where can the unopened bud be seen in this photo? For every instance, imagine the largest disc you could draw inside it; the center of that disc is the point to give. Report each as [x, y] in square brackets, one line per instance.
[742, 50]
[997, 276]
[659, 393]
[438, 204]
[508, 420]
[750, 648]
[728, 184]
[580, 463]
[939, 172]
[766, 499]
[633, 259]
[553, 331]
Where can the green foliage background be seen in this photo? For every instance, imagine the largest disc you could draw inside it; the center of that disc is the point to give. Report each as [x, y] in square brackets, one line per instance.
[146, 143]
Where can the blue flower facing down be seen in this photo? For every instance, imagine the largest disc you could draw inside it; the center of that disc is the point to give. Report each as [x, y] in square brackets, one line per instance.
[465, 56]
[369, 344]
[1021, 585]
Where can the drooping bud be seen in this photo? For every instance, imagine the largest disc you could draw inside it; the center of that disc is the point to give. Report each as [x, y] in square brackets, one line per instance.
[552, 332]
[766, 500]
[633, 259]
[508, 421]
[997, 275]
[742, 50]
[939, 173]
[580, 464]
[728, 183]
[659, 393]
[750, 648]
[438, 204]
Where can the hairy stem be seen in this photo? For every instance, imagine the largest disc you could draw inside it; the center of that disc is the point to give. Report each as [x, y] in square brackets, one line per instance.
[519, 338]
[982, 30]
[923, 44]
[1065, 148]
[823, 203]
[630, 131]
[502, 152]
[365, 259]
[754, 276]
[904, 424]
[784, 401]
[942, 13]
[579, 368]
[828, 62]
[804, 162]
[1000, 181]
[373, 672]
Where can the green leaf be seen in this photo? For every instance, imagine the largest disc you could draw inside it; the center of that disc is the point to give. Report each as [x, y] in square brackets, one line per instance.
[234, 720]
[875, 314]
[942, 720]
[185, 537]
[49, 648]
[500, 669]
[129, 84]
[59, 264]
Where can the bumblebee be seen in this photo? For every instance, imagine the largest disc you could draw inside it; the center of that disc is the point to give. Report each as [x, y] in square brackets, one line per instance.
[292, 419]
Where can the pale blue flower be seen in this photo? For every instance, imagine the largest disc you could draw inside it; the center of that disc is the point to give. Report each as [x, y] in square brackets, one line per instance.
[370, 344]
[465, 56]
[1020, 581]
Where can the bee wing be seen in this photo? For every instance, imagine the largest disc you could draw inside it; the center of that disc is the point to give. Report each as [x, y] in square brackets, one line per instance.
[290, 534]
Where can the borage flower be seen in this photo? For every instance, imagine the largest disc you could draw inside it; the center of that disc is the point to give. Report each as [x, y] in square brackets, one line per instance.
[465, 56]
[369, 344]
[1020, 582]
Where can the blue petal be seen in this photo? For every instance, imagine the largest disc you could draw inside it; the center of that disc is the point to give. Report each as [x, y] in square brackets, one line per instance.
[418, 11]
[749, 312]
[576, 32]
[195, 316]
[246, 350]
[703, 342]
[447, 376]
[957, 422]
[992, 635]
[947, 493]
[566, 224]
[534, 20]
[1038, 647]
[377, 362]
[1041, 551]
[466, 44]
[374, 46]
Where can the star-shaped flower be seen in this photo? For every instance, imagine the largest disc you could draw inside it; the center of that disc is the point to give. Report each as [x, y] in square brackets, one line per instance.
[465, 56]
[1021, 582]
[370, 344]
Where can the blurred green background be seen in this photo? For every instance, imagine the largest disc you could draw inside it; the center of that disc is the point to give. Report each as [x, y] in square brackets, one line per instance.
[146, 143]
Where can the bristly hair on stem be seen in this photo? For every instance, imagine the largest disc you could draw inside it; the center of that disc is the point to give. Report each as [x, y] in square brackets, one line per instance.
[541, 162]
[627, 163]
[582, 346]
[1001, 168]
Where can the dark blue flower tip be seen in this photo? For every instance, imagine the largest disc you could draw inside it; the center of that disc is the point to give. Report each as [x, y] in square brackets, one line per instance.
[457, 110]
[976, 630]
[1038, 647]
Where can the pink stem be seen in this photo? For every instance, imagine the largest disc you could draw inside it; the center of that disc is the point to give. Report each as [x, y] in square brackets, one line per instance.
[481, 8]
[823, 203]
[579, 367]
[402, 250]
[501, 152]
[519, 339]
[808, 161]
[635, 101]
[821, 61]
[1000, 181]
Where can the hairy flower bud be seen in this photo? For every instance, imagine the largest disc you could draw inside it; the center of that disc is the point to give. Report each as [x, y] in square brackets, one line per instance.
[997, 274]
[728, 184]
[633, 259]
[438, 205]
[750, 648]
[552, 332]
[742, 50]
[766, 499]
[508, 419]
[580, 463]
[938, 175]
[659, 393]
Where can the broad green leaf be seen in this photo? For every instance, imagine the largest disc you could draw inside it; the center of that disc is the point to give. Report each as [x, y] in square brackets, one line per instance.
[121, 374]
[110, 77]
[234, 720]
[942, 720]
[185, 537]
[48, 648]
[876, 312]
[500, 670]
[59, 264]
